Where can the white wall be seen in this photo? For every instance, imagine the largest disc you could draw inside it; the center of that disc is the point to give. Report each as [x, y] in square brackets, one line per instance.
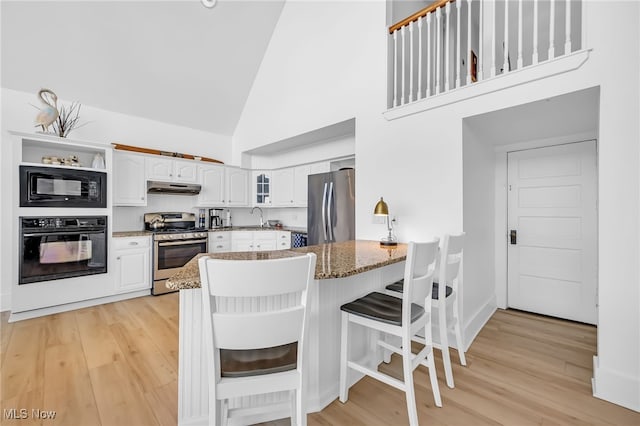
[478, 213]
[102, 126]
[320, 68]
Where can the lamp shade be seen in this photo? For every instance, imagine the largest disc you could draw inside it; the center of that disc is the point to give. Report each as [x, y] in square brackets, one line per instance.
[381, 208]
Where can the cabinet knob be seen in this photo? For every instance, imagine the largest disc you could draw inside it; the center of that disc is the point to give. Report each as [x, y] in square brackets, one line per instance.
[118, 258]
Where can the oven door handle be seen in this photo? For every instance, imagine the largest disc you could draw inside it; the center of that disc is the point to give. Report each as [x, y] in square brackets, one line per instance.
[180, 243]
[67, 233]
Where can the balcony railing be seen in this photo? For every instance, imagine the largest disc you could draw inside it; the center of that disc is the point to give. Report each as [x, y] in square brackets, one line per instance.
[451, 44]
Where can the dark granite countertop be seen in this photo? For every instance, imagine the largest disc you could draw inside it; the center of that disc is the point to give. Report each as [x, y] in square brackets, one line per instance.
[335, 260]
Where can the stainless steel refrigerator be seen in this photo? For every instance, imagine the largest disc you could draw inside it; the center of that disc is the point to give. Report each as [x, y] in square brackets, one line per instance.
[331, 215]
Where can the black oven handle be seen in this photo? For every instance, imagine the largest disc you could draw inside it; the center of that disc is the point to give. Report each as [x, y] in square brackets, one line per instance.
[181, 243]
[63, 233]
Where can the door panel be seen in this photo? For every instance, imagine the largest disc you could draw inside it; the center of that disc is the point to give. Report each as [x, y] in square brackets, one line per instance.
[552, 268]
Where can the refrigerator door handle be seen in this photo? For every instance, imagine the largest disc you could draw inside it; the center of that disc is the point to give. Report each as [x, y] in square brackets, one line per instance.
[324, 212]
[329, 207]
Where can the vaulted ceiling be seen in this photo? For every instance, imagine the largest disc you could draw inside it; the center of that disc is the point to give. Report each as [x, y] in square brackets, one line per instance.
[171, 61]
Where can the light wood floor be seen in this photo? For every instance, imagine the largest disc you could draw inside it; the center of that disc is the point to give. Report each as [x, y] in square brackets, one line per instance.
[116, 364]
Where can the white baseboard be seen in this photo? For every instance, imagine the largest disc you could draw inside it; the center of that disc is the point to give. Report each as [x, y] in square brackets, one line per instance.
[615, 387]
[19, 316]
[5, 302]
[473, 326]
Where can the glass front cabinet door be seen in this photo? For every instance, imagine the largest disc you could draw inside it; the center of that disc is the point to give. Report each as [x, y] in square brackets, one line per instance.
[262, 185]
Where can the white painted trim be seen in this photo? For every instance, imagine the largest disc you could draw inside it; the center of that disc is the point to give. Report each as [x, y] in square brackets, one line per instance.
[615, 387]
[540, 143]
[35, 313]
[514, 78]
[478, 321]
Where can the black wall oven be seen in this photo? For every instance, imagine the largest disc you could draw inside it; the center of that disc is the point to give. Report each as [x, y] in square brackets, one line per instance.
[62, 247]
[61, 187]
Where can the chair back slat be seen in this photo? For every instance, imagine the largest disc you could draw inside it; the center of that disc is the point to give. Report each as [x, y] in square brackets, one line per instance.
[241, 278]
[418, 276]
[257, 330]
[450, 263]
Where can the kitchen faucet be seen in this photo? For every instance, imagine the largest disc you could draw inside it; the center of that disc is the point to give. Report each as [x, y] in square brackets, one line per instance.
[261, 218]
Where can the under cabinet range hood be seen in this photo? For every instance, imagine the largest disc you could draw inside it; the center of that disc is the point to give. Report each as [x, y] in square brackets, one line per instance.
[157, 187]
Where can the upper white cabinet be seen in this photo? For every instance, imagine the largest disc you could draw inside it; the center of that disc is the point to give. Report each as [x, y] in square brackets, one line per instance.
[321, 167]
[130, 188]
[300, 188]
[170, 170]
[237, 184]
[283, 187]
[212, 180]
[262, 184]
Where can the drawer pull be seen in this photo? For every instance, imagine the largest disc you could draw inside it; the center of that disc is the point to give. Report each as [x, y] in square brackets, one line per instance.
[133, 243]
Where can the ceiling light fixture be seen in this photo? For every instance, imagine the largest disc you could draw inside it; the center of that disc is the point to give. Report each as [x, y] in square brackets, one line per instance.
[209, 3]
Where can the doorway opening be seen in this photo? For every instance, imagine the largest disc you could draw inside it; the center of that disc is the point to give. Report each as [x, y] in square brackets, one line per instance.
[487, 141]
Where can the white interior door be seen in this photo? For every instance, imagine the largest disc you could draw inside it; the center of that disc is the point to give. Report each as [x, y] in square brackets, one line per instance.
[552, 254]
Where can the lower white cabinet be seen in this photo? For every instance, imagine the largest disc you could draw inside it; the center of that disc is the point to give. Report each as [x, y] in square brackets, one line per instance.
[283, 240]
[252, 240]
[219, 241]
[132, 263]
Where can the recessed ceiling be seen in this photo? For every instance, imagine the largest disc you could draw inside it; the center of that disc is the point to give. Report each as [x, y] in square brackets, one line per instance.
[565, 115]
[172, 61]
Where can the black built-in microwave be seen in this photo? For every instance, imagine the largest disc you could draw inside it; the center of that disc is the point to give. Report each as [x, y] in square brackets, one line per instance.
[62, 187]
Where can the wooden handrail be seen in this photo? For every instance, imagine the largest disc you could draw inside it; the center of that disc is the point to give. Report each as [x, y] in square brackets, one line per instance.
[419, 14]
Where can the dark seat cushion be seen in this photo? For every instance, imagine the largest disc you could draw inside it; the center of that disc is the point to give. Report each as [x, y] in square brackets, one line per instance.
[399, 285]
[254, 362]
[381, 307]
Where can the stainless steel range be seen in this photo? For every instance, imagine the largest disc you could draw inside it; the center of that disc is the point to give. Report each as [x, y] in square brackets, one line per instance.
[176, 240]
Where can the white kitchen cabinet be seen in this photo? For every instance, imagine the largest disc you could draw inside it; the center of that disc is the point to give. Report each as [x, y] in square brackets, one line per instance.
[283, 239]
[301, 185]
[132, 263]
[212, 181]
[262, 186]
[169, 170]
[283, 187]
[254, 240]
[219, 241]
[237, 185]
[129, 183]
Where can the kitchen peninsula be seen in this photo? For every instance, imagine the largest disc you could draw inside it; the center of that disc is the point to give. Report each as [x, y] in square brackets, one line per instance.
[344, 271]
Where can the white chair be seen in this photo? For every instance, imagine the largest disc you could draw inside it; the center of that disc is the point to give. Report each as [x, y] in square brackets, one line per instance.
[445, 300]
[402, 318]
[255, 351]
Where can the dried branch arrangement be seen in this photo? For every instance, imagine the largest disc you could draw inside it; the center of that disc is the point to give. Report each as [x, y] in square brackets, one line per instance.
[67, 120]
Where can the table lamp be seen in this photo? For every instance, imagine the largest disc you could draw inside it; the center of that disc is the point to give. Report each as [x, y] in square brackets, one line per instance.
[382, 209]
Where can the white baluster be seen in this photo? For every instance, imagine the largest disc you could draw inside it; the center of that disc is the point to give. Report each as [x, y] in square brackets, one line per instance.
[469, 60]
[447, 61]
[520, 34]
[402, 33]
[493, 41]
[438, 42]
[567, 37]
[479, 73]
[420, 57]
[458, 4]
[395, 68]
[505, 65]
[552, 25]
[429, 43]
[534, 58]
[411, 61]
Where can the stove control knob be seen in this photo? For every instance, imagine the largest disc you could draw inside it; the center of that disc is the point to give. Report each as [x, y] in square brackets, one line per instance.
[185, 235]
